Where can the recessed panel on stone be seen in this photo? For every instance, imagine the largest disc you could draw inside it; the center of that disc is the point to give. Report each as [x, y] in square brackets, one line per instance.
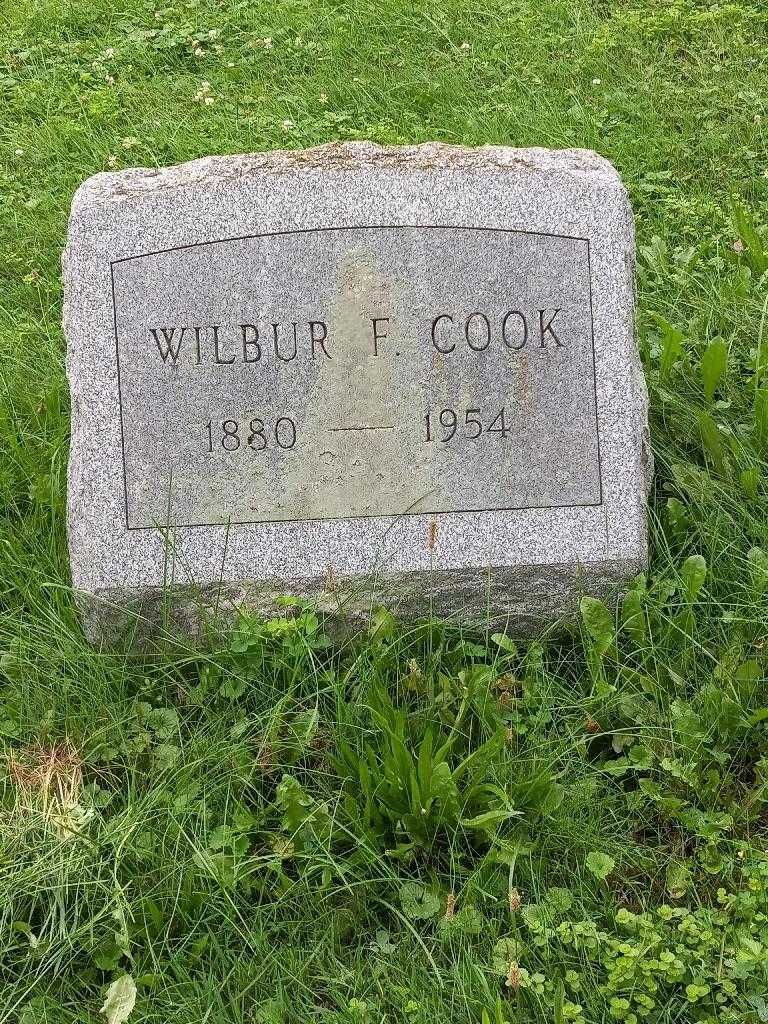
[361, 375]
[356, 372]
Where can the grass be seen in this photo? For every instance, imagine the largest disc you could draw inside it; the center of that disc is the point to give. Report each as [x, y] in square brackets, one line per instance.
[417, 825]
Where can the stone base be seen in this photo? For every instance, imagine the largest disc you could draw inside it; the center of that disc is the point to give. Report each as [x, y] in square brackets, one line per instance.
[520, 601]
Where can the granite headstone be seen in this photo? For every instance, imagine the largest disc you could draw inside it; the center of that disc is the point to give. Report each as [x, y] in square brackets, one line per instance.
[361, 374]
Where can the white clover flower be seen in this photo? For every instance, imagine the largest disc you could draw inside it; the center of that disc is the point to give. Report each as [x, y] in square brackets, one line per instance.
[596, 81]
[465, 45]
[288, 124]
[203, 94]
[266, 42]
[198, 51]
[109, 53]
[129, 142]
[19, 152]
[111, 160]
[323, 98]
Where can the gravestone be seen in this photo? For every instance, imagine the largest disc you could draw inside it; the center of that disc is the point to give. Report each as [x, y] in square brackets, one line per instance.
[355, 373]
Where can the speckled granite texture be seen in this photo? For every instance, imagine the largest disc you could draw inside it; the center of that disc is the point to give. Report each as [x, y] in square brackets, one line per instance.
[502, 530]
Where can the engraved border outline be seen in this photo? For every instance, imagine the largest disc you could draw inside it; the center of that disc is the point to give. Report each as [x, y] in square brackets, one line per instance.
[358, 227]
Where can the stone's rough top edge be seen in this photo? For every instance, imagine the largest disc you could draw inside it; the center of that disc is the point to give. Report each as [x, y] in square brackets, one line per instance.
[346, 156]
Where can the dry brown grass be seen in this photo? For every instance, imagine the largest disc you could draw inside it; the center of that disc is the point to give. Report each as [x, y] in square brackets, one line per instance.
[48, 779]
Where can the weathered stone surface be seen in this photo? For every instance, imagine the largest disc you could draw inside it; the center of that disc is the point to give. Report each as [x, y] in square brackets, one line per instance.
[364, 374]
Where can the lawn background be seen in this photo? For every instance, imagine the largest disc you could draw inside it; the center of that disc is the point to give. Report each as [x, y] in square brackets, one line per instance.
[200, 826]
